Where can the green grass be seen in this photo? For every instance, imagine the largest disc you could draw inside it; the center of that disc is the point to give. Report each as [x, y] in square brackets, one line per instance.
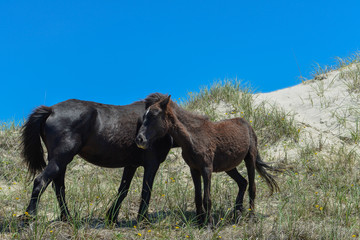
[319, 196]
[351, 76]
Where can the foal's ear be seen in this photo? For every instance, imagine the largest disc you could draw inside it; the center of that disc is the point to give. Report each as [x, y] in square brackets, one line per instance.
[164, 103]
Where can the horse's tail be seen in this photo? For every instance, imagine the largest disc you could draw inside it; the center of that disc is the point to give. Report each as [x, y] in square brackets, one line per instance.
[32, 151]
[270, 181]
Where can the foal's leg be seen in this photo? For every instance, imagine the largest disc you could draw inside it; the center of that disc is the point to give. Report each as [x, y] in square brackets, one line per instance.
[250, 166]
[128, 175]
[206, 174]
[196, 176]
[148, 180]
[242, 184]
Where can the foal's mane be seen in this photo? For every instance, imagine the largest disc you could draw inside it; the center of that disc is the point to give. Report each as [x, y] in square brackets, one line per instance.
[180, 111]
[153, 98]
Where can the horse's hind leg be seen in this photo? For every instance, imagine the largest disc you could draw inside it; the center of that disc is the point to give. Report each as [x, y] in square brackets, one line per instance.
[242, 184]
[128, 175]
[206, 174]
[40, 184]
[55, 168]
[59, 187]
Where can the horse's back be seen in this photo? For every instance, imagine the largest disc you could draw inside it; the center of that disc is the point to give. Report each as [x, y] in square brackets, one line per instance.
[100, 133]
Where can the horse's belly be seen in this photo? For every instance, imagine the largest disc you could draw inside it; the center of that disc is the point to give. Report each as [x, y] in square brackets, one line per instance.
[111, 158]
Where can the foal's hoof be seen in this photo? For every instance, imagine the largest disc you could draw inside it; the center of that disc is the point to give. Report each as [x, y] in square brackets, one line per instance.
[251, 217]
[200, 221]
[210, 226]
[66, 218]
[26, 218]
[238, 216]
[205, 223]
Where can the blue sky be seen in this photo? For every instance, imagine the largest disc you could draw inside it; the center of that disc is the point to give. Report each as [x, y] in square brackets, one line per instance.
[117, 52]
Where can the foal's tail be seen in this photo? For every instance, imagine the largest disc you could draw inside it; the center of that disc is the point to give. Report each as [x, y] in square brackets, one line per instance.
[32, 150]
[270, 181]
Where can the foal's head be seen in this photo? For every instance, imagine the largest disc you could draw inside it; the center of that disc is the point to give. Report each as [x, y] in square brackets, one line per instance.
[154, 123]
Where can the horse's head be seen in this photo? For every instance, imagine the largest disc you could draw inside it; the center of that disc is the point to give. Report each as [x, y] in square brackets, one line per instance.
[154, 123]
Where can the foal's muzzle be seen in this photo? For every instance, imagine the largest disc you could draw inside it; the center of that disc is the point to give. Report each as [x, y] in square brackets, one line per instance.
[141, 142]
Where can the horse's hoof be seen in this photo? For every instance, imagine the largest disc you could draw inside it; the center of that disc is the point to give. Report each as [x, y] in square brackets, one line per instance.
[110, 220]
[110, 223]
[143, 218]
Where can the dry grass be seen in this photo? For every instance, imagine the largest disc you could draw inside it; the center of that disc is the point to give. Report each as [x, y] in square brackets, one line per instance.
[319, 198]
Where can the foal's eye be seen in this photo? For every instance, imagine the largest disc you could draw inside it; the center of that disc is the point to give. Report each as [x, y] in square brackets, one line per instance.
[151, 114]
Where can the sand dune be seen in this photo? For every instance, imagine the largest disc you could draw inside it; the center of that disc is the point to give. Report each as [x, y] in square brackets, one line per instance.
[326, 106]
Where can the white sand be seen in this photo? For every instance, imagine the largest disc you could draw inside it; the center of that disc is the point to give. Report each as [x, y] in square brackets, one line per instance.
[324, 106]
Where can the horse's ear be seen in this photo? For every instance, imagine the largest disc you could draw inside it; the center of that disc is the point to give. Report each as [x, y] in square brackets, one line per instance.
[164, 103]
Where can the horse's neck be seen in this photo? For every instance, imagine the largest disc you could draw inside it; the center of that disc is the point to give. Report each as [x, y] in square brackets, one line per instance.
[180, 128]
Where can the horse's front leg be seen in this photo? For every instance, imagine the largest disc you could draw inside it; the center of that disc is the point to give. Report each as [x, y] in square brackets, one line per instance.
[150, 168]
[113, 211]
[206, 174]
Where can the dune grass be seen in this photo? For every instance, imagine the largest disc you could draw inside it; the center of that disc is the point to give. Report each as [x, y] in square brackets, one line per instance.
[238, 101]
[319, 196]
[320, 71]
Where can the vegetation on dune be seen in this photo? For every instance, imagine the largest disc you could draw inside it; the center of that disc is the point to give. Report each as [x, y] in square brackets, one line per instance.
[319, 198]
[319, 71]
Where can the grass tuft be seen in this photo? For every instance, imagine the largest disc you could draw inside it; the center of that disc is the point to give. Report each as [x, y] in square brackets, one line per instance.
[320, 72]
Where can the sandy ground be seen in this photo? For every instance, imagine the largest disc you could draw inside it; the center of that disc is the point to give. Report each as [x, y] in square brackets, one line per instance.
[324, 107]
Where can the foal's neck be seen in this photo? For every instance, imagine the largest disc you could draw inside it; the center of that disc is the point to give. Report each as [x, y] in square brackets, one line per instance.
[183, 124]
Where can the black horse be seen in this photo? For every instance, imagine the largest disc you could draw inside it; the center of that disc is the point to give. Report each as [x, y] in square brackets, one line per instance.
[101, 134]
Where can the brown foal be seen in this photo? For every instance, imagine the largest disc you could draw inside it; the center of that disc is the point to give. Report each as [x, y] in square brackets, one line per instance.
[207, 147]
